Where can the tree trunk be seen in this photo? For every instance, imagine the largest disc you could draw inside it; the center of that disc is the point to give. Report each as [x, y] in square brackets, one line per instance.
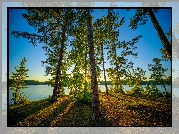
[85, 70]
[118, 76]
[165, 88]
[96, 109]
[104, 69]
[57, 80]
[161, 34]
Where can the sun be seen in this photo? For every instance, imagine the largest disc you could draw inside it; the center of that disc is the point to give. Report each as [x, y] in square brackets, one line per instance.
[86, 78]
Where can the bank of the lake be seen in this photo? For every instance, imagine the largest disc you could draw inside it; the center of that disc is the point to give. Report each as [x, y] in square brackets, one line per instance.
[38, 92]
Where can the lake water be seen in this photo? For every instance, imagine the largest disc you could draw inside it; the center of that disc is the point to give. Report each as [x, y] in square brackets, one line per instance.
[37, 92]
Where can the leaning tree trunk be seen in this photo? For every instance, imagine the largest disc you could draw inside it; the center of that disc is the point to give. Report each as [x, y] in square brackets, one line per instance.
[161, 34]
[57, 79]
[104, 70]
[96, 109]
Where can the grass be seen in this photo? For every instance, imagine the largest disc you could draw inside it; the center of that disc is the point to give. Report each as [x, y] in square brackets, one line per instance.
[117, 110]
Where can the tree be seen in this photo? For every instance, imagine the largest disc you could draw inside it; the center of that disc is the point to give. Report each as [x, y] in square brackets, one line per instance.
[52, 26]
[118, 61]
[158, 72]
[96, 109]
[18, 79]
[140, 18]
[135, 79]
[78, 56]
[100, 41]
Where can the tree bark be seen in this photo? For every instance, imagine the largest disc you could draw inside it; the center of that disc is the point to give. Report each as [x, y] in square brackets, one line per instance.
[161, 34]
[57, 79]
[96, 109]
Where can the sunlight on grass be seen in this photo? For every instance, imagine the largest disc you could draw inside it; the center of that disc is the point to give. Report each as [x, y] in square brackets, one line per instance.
[19, 105]
[125, 110]
[37, 117]
[59, 117]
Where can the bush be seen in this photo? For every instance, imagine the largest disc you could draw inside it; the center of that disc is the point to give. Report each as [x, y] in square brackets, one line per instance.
[137, 90]
[152, 91]
[117, 90]
[167, 95]
[81, 97]
[22, 99]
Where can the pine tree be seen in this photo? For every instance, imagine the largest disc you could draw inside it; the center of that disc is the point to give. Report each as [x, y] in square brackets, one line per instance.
[18, 81]
[158, 72]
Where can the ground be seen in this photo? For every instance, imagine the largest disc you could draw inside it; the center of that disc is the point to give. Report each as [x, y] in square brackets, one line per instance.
[117, 110]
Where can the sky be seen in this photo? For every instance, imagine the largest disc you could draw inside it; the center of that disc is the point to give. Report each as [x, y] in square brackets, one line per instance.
[147, 47]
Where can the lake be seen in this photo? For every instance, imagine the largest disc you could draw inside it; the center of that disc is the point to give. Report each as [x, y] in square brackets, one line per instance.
[38, 92]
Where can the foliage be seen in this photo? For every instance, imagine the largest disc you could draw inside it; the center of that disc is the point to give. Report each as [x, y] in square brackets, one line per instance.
[62, 28]
[85, 98]
[119, 63]
[134, 79]
[158, 72]
[140, 18]
[18, 83]
[23, 99]
[152, 90]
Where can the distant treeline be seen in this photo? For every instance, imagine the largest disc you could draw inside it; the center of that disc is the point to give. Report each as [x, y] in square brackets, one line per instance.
[143, 83]
[31, 82]
[34, 82]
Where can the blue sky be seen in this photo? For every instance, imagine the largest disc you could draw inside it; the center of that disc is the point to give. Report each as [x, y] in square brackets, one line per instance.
[175, 21]
[147, 47]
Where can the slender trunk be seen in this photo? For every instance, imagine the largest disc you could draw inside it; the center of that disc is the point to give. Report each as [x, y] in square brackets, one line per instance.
[118, 76]
[85, 69]
[96, 110]
[15, 97]
[58, 80]
[164, 87]
[161, 34]
[104, 69]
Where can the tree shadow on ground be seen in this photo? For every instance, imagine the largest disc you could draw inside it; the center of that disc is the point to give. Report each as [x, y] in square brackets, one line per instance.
[54, 114]
[153, 117]
[21, 112]
[80, 115]
[151, 98]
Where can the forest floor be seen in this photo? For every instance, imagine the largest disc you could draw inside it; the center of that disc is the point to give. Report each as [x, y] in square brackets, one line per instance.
[117, 110]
